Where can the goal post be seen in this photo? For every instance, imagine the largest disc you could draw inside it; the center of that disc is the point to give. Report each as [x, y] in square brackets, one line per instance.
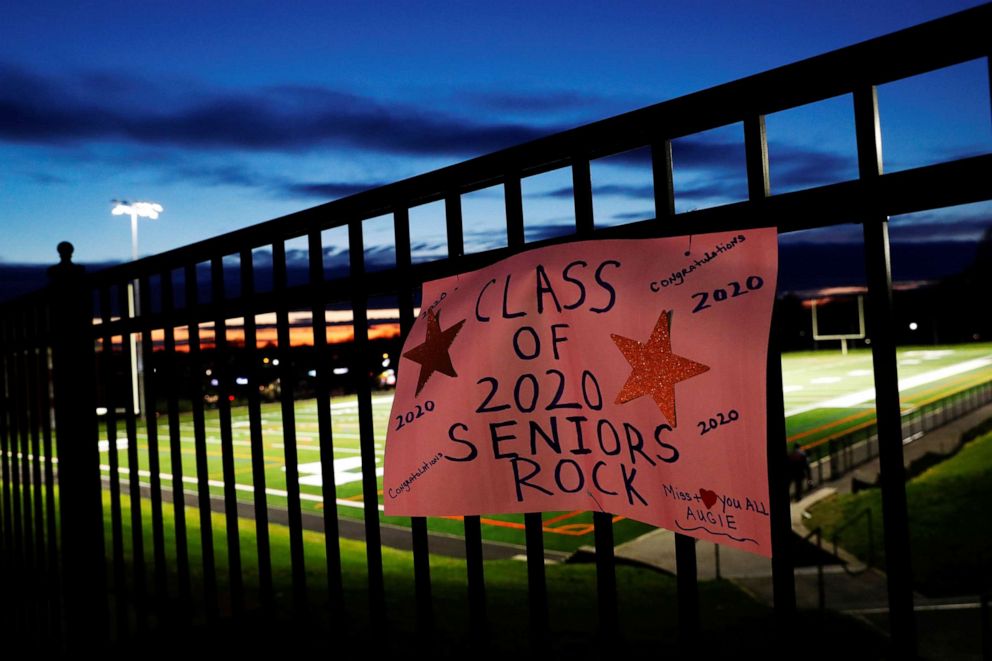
[859, 334]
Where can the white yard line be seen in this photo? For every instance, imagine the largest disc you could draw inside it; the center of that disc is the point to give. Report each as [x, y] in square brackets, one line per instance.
[167, 479]
[860, 397]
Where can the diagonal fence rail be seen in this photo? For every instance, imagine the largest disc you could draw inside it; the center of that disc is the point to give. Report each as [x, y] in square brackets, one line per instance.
[64, 352]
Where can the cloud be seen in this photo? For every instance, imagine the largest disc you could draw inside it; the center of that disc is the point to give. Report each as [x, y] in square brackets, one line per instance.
[794, 166]
[44, 110]
[624, 216]
[46, 178]
[637, 192]
[550, 228]
[699, 152]
[326, 190]
[540, 102]
[247, 177]
[714, 189]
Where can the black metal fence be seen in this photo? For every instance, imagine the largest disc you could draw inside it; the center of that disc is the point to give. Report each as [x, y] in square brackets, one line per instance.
[55, 499]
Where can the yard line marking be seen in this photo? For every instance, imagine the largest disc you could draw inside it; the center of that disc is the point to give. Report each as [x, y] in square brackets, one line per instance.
[930, 354]
[344, 406]
[104, 444]
[860, 397]
[239, 487]
[344, 472]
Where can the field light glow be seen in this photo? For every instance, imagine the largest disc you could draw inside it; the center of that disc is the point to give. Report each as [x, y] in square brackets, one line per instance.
[137, 209]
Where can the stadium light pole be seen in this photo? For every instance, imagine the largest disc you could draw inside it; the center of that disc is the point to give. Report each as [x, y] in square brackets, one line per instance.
[135, 210]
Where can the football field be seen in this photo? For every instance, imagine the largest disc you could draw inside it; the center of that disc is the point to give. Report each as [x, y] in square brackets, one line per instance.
[826, 395]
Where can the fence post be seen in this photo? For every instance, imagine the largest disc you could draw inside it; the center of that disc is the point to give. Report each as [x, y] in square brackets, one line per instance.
[76, 425]
[895, 515]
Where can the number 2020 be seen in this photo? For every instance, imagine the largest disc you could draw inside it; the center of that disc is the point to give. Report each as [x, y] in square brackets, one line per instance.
[410, 416]
[752, 283]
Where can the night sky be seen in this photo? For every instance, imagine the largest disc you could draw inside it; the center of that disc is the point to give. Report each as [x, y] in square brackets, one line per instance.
[232, 113]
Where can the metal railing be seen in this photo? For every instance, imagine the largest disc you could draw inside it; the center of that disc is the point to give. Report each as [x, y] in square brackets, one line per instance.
[834, 457]
[52, 553]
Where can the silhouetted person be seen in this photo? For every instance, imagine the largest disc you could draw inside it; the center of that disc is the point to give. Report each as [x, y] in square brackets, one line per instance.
[799, 471]
[65, 268]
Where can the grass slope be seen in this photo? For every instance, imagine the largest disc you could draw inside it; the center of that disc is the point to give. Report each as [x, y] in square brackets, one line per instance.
[950, 534]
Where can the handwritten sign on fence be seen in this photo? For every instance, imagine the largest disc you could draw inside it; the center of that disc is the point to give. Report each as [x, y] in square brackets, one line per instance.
[623, 376]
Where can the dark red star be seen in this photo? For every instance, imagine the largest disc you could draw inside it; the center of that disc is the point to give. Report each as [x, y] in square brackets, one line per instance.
[656, 368]
[433, 353]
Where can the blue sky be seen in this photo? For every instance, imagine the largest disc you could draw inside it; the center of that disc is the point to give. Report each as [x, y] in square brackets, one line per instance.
[232, 113]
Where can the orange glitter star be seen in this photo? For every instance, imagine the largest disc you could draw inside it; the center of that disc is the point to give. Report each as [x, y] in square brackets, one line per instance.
[433, 353]
[656, 368]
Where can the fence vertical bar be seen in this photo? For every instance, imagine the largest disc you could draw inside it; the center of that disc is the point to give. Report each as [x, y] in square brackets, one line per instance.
[288, 407]
[262, 546]
[606, 581]
[19, 564]
[13, 502]
[224, 394]
[476, 576]
[514, 203]
[332, 547]
[210, 605]
[783, 574]
[536, 585]
[54, 571]
[76, 426]
[138, 576]
[418, 524]
[37, 486]
[366, 430]
[883, 349]
[18, 557]
[533, 523]
[28, 496]
[582, 195]
[154, 461]
[606, 577]
[110, 391]
[171, 379]
[7, 571]
[686, 569]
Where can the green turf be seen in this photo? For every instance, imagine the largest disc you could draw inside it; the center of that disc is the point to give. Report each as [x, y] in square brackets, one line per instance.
[948, 519]
[809, 378]
[731, 620]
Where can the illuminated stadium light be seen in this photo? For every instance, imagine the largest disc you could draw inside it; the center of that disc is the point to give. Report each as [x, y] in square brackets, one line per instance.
[135, 210]
[143, 209]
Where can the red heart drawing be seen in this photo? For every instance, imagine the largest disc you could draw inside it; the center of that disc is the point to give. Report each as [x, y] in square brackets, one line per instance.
[709, 497]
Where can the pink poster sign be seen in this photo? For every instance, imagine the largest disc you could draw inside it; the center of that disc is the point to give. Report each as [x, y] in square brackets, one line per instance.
[623, 376]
